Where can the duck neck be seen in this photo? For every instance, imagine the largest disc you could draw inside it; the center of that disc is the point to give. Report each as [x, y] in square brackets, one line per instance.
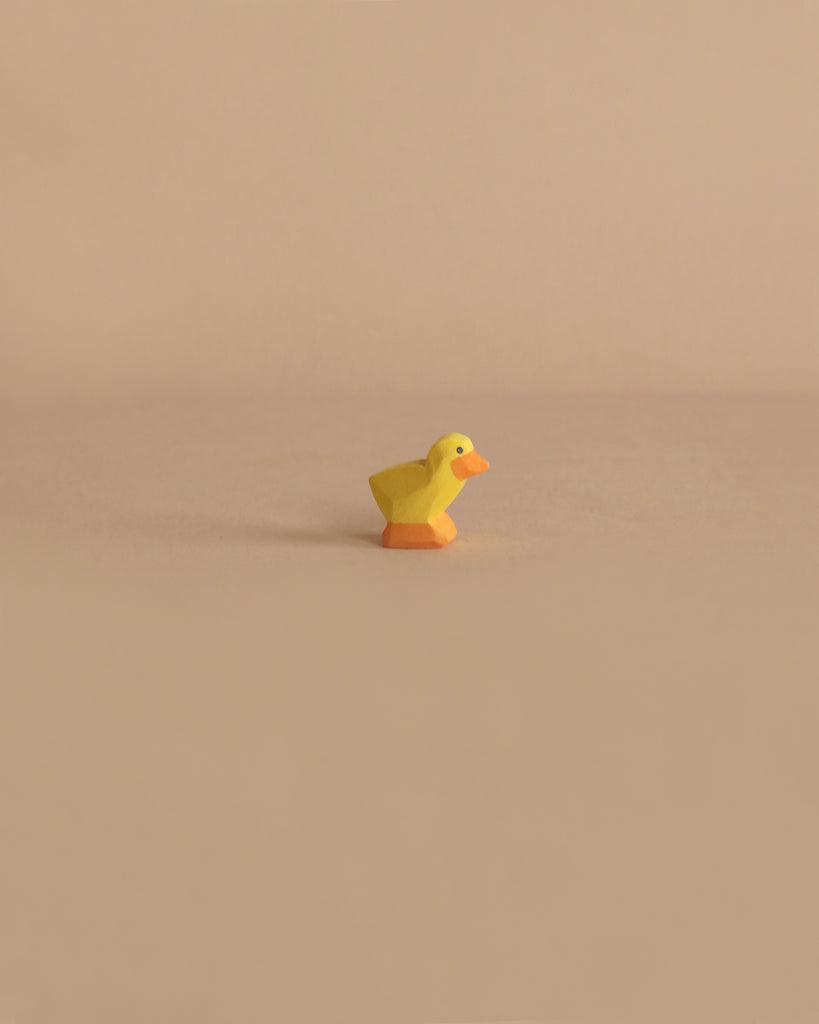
[446, 484]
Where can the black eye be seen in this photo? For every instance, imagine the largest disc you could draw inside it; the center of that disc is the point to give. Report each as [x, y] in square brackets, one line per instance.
[459, 450]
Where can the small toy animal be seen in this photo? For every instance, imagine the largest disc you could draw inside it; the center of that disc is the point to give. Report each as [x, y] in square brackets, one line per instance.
[414, 496]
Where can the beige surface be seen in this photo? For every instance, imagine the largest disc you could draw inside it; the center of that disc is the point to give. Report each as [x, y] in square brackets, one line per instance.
[254, 767]
[437, 195]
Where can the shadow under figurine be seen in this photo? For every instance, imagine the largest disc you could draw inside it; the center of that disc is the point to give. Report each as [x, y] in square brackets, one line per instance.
[413, 496]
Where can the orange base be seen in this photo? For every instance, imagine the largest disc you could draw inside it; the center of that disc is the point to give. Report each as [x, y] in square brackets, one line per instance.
[436, 534]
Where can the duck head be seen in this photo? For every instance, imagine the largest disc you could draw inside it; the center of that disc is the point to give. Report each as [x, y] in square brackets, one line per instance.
[458, 453]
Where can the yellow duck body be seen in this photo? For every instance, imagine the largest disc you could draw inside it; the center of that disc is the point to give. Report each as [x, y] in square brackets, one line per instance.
[413, 496]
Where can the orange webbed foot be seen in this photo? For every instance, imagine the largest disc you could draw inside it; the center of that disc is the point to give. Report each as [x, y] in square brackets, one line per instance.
[435, 534]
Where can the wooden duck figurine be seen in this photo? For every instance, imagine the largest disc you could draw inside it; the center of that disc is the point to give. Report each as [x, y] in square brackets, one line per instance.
[414, 496]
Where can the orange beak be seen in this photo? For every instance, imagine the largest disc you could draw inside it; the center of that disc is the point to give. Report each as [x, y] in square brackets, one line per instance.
[468, 465]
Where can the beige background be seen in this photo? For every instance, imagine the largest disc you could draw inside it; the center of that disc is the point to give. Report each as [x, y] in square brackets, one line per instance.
[426, 195]
[253, 767]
